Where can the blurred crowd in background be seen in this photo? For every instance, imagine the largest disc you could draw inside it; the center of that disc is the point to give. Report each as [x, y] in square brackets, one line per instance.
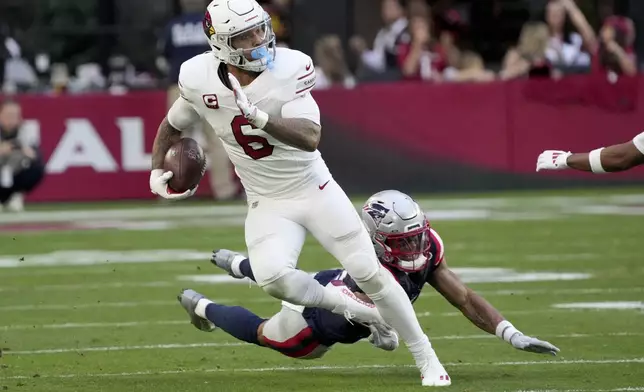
[59, 47]
[76, 46]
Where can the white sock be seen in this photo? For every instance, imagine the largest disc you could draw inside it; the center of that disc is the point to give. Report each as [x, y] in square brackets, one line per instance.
[234, 265]
[394, 306]
[200, 310]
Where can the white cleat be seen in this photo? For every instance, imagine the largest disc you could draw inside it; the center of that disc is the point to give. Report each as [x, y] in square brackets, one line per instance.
[432, 372]
[16, 203]
[383, 337]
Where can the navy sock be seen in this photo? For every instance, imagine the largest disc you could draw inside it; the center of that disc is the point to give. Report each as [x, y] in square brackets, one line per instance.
[239, 322]
[244, 268]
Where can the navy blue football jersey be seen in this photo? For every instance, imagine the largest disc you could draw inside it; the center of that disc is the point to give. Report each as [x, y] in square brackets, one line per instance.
[330, 328]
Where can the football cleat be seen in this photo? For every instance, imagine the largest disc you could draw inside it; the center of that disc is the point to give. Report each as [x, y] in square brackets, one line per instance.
[225, 259]
[188, 300]
[432, 372]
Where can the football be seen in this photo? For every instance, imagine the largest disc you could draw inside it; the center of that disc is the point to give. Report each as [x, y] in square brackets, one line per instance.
[186, 160]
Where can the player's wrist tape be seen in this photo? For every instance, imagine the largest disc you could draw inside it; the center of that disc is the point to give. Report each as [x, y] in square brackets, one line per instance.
[595, 159]
[505, 330]
[639, 142]
[261, 119]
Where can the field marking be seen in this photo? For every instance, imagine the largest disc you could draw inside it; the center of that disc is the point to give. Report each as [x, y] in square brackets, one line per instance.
[90, 286]
[324, 368]
[624, 389]
[168, 212]
[168, 346]
[126, 324]
[428, 293]
[606, 305]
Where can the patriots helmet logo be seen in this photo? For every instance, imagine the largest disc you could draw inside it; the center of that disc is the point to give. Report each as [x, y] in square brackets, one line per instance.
[377, 211]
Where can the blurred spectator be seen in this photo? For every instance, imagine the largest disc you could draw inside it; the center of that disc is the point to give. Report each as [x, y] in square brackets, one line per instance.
[331, 67]
[184, 38]
[565, 47]
[16, 72]
[469, 68]
[419, 56]
[279, 10]
[529, 57]
[383, 56]
[613, 52]
[21, 168]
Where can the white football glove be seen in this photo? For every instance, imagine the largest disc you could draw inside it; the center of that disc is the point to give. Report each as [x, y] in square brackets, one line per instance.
[553, 160]
[533, 345]
[254, 116]
[383, 337]
[159, 186]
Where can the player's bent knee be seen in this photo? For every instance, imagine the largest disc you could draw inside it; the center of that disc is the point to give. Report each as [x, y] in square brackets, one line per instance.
[275, 288]
[378, 285]
[361, 265]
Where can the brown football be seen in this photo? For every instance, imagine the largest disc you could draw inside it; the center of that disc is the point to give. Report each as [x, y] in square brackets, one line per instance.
[186, 160]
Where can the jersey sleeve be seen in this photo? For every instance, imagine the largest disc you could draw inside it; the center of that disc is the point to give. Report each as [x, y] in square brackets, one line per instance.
[302, 107]
[639, 142]
[183, 113]
[305, 76]
[438, 250]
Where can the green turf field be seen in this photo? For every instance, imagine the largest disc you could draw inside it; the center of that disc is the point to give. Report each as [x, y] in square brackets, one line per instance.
[88, 308]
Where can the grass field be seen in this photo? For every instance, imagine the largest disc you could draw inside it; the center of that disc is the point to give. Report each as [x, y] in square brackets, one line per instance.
[87, 301]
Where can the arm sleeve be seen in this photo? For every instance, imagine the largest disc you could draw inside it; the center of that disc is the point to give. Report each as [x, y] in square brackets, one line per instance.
[182, 115]
[302, 107]
[639, 142]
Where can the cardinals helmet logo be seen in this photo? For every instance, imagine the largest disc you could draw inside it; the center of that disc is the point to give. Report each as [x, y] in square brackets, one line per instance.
[207, 25]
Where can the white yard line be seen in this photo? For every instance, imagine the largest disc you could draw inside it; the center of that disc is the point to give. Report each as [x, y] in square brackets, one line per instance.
[167, 212]
[129, 324]
[236, 344]
[341, 368]
[134, 304]
[427, 293]
[624, 389]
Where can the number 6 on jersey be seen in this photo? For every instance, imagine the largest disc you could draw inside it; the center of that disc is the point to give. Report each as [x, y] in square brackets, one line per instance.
[254, 146]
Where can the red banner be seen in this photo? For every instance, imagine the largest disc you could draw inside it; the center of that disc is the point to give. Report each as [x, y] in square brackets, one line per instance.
[97, 147]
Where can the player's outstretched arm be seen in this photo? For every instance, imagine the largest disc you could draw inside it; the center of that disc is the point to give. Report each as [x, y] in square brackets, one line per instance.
[615, 158]
[482, 314]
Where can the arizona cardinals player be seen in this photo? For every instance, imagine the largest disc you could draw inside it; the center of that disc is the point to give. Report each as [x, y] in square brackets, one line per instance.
[615, 158]
[256, 99]
[407, 246]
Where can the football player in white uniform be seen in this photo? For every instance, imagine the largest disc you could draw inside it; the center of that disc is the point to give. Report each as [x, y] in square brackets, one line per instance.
[256, 99]
[615, 158]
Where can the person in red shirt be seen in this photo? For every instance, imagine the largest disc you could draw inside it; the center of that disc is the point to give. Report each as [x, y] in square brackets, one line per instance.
[612, 51]
[419, 57]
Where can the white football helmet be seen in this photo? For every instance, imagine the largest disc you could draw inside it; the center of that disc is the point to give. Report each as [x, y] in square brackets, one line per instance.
[229, 20]
[399, 230]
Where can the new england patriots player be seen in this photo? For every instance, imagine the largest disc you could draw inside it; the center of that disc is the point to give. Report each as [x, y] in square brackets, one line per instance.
[405, 244]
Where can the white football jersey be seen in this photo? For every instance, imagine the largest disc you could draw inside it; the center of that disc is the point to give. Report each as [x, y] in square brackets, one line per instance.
[264, 165]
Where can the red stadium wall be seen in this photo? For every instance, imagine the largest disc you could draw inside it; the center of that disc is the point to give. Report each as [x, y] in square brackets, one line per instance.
[415, 137]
